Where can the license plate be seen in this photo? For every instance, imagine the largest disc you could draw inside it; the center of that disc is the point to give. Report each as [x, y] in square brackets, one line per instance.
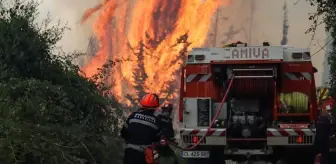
[195, 154]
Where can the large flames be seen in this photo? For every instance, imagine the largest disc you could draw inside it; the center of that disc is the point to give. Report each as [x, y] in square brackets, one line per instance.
[151, 36]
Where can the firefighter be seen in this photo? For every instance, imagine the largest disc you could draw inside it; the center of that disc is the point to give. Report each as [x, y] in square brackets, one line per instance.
[167, 131]
[323, 131]
[165, 120]
[140, 130]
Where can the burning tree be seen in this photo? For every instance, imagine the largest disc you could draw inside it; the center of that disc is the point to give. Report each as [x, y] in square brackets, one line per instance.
[140, 75]
[174, 84]
[157, 25]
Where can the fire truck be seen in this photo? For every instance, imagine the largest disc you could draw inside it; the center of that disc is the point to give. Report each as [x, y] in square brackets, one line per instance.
[244, 102]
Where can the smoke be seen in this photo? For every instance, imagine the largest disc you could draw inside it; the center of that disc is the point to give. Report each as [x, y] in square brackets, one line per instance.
[236, 22]
[252, 15]
[68, 13]
[285, 25]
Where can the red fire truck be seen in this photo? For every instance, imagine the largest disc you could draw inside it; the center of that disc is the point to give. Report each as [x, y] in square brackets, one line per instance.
[243, 102]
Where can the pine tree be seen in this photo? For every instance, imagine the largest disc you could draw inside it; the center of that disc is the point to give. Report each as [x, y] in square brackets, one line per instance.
[285, 26]
[174, 85]
[139, 74]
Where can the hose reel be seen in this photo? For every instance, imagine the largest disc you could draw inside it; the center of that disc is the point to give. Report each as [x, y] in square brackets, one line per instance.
[294, 102]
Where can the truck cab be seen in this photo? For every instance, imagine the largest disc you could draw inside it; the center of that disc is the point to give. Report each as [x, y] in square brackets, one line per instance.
[247, 101]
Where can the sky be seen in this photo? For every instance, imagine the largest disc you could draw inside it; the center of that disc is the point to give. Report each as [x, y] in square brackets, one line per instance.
[266, 26]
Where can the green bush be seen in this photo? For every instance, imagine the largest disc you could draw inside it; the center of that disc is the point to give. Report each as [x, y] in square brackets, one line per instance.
[49, 113]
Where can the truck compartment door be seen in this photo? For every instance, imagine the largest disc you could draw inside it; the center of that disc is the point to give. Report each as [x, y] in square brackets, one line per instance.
[197, 112]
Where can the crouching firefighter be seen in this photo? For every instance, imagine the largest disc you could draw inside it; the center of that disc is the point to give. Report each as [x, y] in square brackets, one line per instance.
[323, 132]
[140, 131]
[166, 132]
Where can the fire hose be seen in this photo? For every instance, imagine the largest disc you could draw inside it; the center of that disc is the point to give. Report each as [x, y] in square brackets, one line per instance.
[298, 102]
[212, 121]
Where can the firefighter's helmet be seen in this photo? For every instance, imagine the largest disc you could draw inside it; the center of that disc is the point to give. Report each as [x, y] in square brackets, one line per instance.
[150, 101]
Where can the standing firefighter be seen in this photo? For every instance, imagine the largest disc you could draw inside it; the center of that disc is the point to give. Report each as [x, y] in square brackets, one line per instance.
[167, 131]
[165, 121]
[141, 130]
[323, 131]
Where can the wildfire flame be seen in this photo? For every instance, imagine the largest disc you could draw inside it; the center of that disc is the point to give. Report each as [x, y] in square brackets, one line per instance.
[152, 35]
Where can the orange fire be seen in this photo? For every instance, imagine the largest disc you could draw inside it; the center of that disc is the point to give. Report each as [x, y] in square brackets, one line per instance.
[157, 24]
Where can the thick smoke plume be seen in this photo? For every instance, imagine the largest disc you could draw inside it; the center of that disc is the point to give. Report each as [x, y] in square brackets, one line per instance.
[68, 13]
[285, 25]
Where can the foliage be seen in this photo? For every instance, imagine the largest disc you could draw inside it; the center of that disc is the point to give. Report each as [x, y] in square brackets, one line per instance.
[326, 14]
[49, 113]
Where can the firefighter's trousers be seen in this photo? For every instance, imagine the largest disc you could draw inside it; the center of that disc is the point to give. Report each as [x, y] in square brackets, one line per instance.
[167, 154]
[324, 150]
[132, 156]
[325, 157]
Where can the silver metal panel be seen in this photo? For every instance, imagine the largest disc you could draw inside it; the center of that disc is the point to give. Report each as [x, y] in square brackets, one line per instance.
[273, 141]
[215, 141]
[223, 112]
[287, 57]
[190, 113]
